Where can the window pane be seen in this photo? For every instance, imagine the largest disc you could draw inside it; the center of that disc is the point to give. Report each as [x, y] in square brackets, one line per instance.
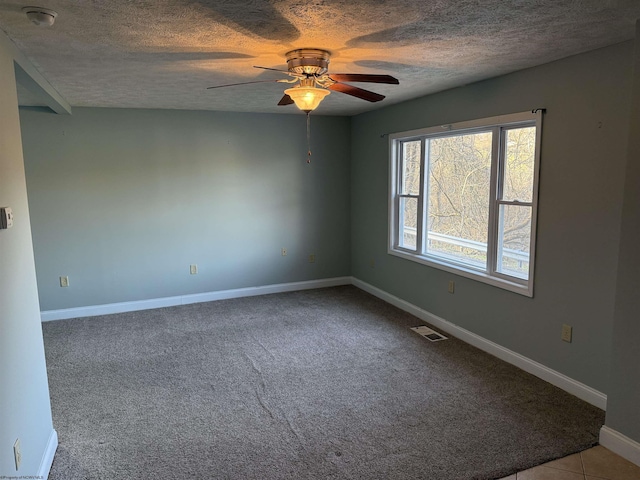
[411, 168]
[520, 147]
[459, 188]
[408, 222]
[514, 239]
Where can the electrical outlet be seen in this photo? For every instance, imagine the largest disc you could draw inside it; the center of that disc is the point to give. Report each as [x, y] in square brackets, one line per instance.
[566, 333]
[17, 453]
[284, 252]
[312, 258]
[452, 286]
[64, 281]
[193, 269]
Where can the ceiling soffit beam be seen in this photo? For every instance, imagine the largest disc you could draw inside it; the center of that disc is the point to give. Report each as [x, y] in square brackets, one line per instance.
[29, 77]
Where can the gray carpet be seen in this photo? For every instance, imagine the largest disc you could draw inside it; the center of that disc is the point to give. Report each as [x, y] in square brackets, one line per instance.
[318, 384]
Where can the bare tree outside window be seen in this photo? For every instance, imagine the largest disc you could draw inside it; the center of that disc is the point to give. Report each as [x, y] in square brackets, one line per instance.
[459, 188]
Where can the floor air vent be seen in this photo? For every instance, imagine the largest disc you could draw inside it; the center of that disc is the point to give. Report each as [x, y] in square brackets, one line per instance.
[429, 334]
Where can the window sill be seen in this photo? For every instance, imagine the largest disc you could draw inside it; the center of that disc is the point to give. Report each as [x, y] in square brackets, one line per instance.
[525, 289]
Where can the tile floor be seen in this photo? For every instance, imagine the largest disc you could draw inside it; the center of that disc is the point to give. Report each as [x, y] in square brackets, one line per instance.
[597, 463]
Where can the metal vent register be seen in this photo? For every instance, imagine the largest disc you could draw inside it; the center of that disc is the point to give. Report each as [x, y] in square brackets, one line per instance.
[429, 334]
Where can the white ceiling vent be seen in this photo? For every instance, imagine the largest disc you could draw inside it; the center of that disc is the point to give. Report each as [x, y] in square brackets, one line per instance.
[429, 334]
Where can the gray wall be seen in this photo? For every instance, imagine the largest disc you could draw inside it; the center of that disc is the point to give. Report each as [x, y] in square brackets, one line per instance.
[624, 392]
[123, 201]
[582, 175]
[25, 412]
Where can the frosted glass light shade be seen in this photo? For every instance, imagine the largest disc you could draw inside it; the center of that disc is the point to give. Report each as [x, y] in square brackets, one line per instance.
[307, 98]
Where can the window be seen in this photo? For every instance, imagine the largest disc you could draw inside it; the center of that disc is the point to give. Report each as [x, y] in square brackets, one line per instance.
[463, 198]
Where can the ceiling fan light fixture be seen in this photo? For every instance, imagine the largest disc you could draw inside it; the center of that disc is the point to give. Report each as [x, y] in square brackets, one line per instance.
[306, 98]
[43, 17]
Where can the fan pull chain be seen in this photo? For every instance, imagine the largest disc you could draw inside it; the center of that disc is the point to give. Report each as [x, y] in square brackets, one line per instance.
[308, 138]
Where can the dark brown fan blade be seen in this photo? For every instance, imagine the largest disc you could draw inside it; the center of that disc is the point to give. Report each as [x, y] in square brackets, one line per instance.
[286, 100]
[356, 92]
[243, 83]
[358, 77]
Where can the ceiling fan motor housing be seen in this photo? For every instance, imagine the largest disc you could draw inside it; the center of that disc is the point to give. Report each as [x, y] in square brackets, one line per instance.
[308, 61]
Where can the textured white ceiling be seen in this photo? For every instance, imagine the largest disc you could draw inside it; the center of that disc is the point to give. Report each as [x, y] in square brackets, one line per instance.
[163, 54]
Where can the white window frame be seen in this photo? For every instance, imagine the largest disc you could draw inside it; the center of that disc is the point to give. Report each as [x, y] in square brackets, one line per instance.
[490, 275]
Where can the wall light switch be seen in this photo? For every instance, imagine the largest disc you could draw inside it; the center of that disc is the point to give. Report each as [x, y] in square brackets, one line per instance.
[6, 218]
[452, 286]
[64, 281]
[193, 269]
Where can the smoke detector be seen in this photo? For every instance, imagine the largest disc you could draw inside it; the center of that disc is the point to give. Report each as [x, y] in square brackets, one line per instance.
[43, 17]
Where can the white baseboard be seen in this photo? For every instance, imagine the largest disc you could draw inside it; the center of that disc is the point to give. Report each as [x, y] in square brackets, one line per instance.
[110, 308]
[620, 444]
[47, 458]
[580, 390]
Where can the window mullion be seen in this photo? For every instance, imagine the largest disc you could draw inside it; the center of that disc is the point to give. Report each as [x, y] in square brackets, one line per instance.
[422, 224]
[497, 147]
[398, 189]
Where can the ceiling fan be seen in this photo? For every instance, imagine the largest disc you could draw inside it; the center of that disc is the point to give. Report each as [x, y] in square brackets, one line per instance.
[308, 68]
